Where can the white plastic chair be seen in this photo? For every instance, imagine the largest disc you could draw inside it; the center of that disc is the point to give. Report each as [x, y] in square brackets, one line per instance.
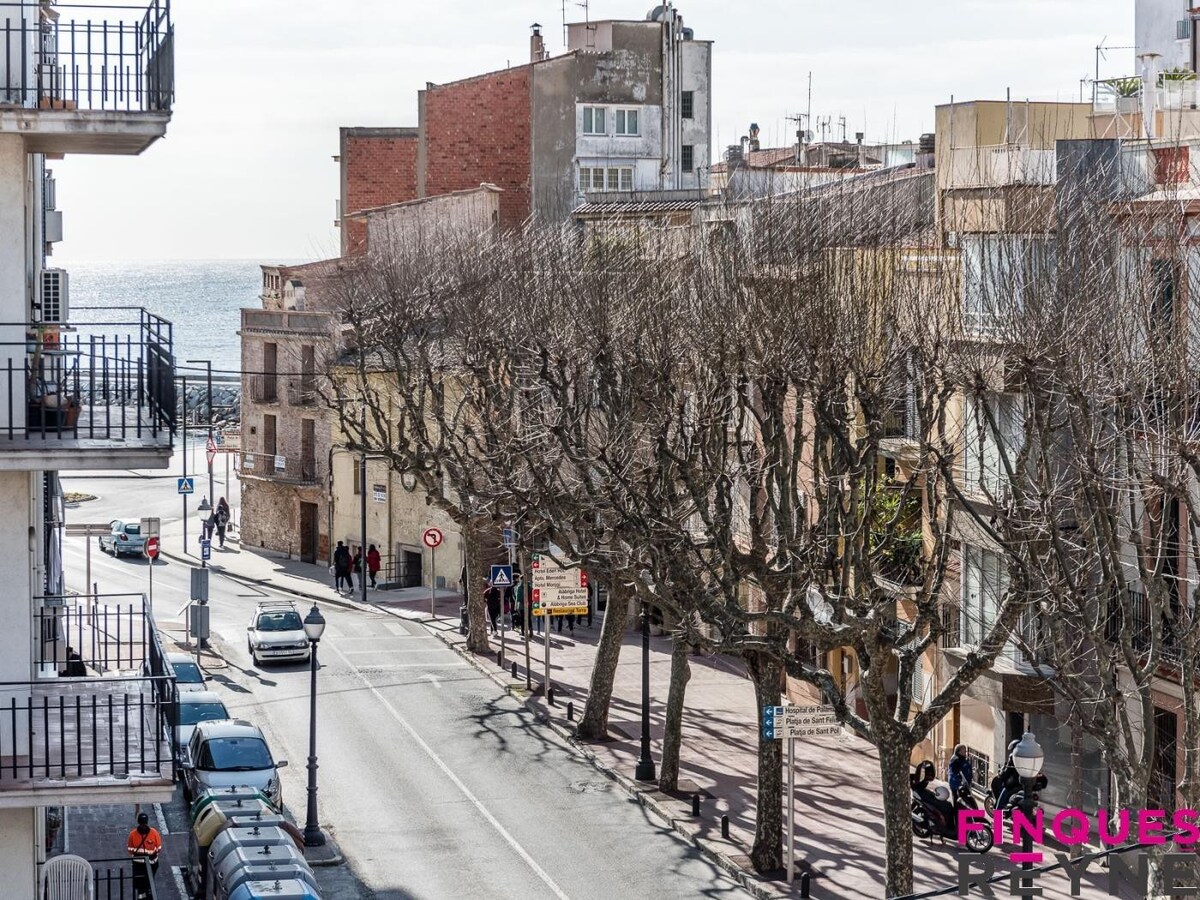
[66, 877]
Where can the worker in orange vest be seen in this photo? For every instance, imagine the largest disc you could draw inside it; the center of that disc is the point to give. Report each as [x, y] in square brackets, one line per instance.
[144, 845]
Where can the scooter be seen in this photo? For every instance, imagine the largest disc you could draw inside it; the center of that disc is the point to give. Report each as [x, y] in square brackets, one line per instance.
[933, 812]
[1013, 796]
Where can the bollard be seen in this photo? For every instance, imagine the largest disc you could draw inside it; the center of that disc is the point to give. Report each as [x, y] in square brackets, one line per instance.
[725, 827]
[550, 695]
[514, 670]
[696, 805]
[500, 658]
[570, 711]
[803, 884]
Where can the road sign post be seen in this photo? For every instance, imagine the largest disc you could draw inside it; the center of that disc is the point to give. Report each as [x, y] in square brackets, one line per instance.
[151, 554]
[788, 723]
[432, 538]
[502, 579]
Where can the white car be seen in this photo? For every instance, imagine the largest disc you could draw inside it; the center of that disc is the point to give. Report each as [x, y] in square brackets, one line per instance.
[231, 753]
[276, 634]
[194, 707]
[188, 676]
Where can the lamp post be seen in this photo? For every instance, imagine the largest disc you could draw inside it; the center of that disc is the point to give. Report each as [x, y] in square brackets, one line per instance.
[645, 764]
[314, 627]
[204, 510]
[1027, 759]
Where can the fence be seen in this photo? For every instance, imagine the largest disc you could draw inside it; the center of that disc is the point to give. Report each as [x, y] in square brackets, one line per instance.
[271, 466]
[113, 879]
[106, 62]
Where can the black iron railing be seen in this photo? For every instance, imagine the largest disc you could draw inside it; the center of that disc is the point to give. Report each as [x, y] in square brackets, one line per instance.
[95, 635]
[289, 469]
[89, 380]
[1135, 623]
[114, 879]
[109, 59]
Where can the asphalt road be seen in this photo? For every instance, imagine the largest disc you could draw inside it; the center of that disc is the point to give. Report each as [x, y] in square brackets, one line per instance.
[434, 781]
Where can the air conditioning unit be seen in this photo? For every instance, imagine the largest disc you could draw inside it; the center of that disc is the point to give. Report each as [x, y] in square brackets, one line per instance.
[54, 296]
[52, 226]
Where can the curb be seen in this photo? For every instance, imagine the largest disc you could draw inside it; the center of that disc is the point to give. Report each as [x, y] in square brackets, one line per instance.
[678, 824]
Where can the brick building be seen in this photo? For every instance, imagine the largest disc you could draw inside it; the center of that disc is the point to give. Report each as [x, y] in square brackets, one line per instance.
[625, 109]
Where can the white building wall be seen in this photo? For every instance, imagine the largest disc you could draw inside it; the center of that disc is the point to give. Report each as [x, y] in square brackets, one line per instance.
[1155, 24]
[17, 852]
[697, 77]
[613, 146]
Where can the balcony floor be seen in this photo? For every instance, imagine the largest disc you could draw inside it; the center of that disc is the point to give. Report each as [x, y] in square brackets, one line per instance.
[77, 755]
[104, 438]
[84, 131]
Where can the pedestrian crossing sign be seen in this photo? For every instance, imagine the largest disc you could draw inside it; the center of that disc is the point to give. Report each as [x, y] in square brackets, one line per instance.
[502, 576]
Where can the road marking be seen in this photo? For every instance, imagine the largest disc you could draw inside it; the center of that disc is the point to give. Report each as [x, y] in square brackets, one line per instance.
[404, 652]
[162, 820]
[466, 791]
[177, 875]
[432, 679]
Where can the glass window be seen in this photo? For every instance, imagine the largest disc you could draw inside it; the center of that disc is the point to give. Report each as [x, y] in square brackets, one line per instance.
[687, 157]
[614, 179]
[993, 435]
[984, 584]
[687, 105]
[191, 713]
[236, 755]
[597, 179]
[283, 620]
[627, 122]
[627, 179]
[593, 120]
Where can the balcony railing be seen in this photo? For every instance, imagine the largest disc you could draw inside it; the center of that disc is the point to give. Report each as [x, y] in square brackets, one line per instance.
[284, 320]
[112, 59]
[102, 381]
[263, 388]
[97, 714]
[1136, 623]
[302, 392]
[273, 467]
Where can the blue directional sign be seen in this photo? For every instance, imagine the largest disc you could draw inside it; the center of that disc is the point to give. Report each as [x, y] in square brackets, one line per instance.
[770, 714]
[187, 485]
[502, 576]
[509, 537]
[205, 549]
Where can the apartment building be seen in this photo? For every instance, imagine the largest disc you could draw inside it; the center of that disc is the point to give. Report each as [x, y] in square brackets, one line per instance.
[283, 465]
[1164, 28]
[79, 398]
[627, 108]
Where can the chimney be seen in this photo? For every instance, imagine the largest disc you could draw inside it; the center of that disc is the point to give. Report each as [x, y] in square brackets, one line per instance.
[1149, 92]
[754, 145]
[537, 47]
[862, 151]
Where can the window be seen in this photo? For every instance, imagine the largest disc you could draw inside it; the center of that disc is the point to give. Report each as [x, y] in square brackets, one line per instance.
[627, 122]
[593, 120]
[687, 105]
[984, 584]
[687, 157]
[993, 435]
[601, 178]
[1183, 29]
[998, 270]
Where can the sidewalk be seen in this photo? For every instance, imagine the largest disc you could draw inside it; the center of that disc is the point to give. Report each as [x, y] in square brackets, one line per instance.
[839, 834]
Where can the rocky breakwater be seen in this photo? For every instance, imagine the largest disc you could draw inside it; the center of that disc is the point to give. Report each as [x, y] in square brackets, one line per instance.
[226, 405]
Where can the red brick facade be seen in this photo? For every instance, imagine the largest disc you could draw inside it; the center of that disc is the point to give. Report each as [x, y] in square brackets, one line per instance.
[378, 167]
[478, 130]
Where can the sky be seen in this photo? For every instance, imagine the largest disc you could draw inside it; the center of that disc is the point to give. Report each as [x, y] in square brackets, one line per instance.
[246, 168]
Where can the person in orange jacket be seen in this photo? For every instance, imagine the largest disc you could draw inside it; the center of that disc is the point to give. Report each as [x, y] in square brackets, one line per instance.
[144, 845]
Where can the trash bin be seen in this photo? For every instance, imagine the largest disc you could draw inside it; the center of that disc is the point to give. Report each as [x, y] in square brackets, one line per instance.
[230, 839]
[223, 877]
[268, 874]
[244, 792]
[212, 820]
[292, 889]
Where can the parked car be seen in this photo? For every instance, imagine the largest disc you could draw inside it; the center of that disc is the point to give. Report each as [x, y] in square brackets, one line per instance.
[276, 633]
[194, 707]
[188, 675]
[123, 537]
[231, 752]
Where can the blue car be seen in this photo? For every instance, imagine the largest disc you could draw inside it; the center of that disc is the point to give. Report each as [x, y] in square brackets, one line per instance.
[123, 537]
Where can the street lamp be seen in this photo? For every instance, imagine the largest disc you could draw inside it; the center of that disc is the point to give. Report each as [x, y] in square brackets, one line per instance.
[645, 764]
[204, 510]
[314, 627]
[1027, 758]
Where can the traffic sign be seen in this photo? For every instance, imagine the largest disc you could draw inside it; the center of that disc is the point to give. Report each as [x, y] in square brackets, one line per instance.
[780, 722]
[205, 549]
[150, 526]
[152, 547]
[210, 455]
[558, 590]
[502, 576]
[219, 437]
[432, 537]
[509, 537]
[187, 485]
[210, 445]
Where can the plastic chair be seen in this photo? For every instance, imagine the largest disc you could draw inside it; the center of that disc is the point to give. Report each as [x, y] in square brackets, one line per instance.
[66, 877]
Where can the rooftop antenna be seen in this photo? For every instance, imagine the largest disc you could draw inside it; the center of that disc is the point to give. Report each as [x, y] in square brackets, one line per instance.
[842, 123]
[823, 125]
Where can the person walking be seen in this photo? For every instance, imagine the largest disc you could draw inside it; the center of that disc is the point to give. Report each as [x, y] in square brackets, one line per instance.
[341, 567]
[144, 845]
[960, 770]
[357, 566]
[492, 597]
[222, 519]
[373, 563]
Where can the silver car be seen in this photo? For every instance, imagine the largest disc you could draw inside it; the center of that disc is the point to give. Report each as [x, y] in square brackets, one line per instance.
[276, 634]
[188, 676]
[194, 707]
[228, 753]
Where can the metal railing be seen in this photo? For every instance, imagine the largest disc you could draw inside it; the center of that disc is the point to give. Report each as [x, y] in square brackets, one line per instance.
[88, 380]
[114, 879]
[97, 634]
[302, 392]
[395, 573]
[263, 388]
[281, 320]
[1137, 625]
[291, 469]
[107, 61]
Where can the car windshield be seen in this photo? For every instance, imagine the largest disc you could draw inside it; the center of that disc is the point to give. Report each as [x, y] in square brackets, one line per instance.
[287, 620]
[188, 673]
[191, 713]
[236, 755]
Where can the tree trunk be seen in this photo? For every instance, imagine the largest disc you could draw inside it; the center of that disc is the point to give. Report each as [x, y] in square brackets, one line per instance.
[477, 628]
[681, 672]
[767, 853]
[894, 766]
[593, 726]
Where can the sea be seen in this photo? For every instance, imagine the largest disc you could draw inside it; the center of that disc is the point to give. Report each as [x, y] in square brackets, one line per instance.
[202, 299]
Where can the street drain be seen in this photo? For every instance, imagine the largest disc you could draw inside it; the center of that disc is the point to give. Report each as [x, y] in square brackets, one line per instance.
[590, 787]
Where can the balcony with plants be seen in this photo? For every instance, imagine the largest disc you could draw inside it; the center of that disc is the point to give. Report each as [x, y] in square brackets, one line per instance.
[897, 541]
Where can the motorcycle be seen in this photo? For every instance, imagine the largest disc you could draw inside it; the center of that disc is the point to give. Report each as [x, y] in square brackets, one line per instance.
[934, 813]
[1006, 790]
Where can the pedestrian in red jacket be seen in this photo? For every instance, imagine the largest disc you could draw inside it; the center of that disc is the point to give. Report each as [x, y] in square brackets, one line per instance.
[373, 563]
